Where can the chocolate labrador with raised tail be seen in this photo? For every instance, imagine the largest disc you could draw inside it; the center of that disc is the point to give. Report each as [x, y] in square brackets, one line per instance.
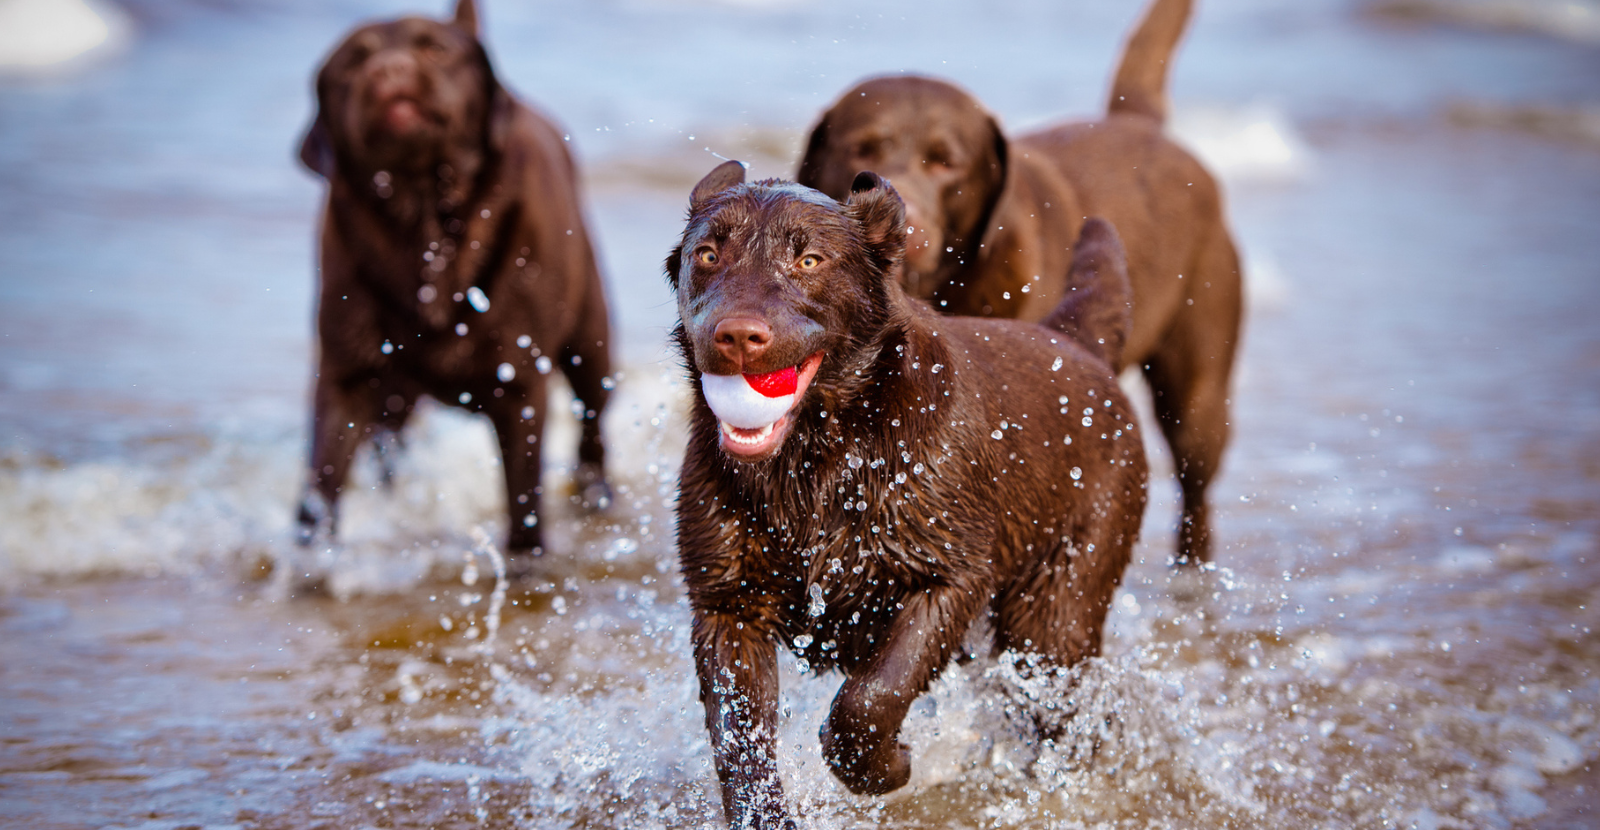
[455, 261]
[993, 223]
[865, 478]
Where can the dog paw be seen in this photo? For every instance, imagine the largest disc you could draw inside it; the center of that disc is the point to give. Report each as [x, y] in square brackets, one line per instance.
[316, 515]
[883, 769]
[591, 489]
[597, 496]
[773, 818]
[520, 564]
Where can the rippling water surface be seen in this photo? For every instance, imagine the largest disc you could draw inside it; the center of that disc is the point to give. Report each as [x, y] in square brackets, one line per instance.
[1399, 632]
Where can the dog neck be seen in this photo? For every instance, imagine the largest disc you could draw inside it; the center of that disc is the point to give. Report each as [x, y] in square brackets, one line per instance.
[418, 200]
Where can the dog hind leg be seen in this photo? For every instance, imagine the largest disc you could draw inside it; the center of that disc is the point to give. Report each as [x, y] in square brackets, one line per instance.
[1189, 378]
[586, 363]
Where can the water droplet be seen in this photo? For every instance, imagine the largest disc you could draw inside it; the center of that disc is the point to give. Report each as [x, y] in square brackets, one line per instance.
[997, 435]
[466, 397]
[938, 367]
[542, 364]
[818, 604]
[1056, 367]
[461, 329]
[854, 461]
[802, 641]
[1087, 421]
[505, 372]
[387, 347]
[917, 470]
[1076, 473]
[530, 520]
[478, 299]
[527, 413]
[524, 341]
[427, 293]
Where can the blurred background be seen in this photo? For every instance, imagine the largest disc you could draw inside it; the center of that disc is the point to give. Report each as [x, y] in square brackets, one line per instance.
[1400, 633]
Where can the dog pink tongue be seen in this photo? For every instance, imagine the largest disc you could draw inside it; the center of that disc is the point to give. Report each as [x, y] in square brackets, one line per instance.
[403, 115]
[774, 384]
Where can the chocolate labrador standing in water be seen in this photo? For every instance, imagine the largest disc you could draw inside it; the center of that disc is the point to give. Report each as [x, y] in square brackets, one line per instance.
[865, 478]
[455, 262]
[992, 224]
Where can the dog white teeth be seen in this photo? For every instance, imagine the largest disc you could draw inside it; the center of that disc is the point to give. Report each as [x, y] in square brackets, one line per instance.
[746, 436]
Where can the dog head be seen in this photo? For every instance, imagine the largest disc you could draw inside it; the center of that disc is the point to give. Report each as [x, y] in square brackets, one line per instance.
[780, 290]
[943, 151]
[406, 96]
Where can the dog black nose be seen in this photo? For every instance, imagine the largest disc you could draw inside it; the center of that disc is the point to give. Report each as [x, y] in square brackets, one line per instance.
[742, 339]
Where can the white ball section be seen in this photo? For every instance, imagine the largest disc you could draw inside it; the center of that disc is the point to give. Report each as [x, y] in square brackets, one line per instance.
[738, 405]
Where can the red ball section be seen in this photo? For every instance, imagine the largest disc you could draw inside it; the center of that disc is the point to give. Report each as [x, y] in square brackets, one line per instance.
[774, 384]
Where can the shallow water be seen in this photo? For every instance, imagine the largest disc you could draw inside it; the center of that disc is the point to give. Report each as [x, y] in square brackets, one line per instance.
[1400, 630]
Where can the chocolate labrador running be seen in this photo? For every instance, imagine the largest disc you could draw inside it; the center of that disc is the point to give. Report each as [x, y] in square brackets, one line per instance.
[865, 477]
[455, 262]
[993, 221]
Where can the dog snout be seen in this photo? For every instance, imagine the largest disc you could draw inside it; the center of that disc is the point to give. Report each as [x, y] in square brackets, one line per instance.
[924, 249]
[741, 340]
[393, 72]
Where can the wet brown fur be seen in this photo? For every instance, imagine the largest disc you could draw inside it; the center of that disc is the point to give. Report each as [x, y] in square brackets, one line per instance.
[484, 196]
[995, 221]
[890, 494]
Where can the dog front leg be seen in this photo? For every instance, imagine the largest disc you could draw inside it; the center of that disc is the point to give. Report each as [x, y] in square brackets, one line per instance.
[519, 428]
[861, 738]
[342, 416]
[738, 671]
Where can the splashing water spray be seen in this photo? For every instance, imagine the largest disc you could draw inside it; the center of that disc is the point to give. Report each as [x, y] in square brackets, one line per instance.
[484, 546]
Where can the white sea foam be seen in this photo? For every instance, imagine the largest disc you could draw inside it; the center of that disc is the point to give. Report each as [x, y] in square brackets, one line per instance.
[43, 35]
[1255, 143]
[229, 498]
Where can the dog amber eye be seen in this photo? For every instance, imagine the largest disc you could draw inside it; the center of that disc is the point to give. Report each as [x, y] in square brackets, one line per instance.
[706, 256]
[810, 261]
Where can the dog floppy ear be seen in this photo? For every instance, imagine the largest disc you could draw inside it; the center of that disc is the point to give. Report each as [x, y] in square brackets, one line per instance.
[810, 172]
[995, 181]
[502, 111]
[466, 17]
[316, 149]
[877, 206]
[727, 174]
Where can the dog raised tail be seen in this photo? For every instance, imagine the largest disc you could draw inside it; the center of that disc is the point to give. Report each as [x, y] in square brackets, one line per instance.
[1141, 84]
[1098, 308]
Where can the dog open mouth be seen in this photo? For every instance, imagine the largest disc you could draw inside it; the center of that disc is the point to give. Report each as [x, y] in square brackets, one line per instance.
[754, 411]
